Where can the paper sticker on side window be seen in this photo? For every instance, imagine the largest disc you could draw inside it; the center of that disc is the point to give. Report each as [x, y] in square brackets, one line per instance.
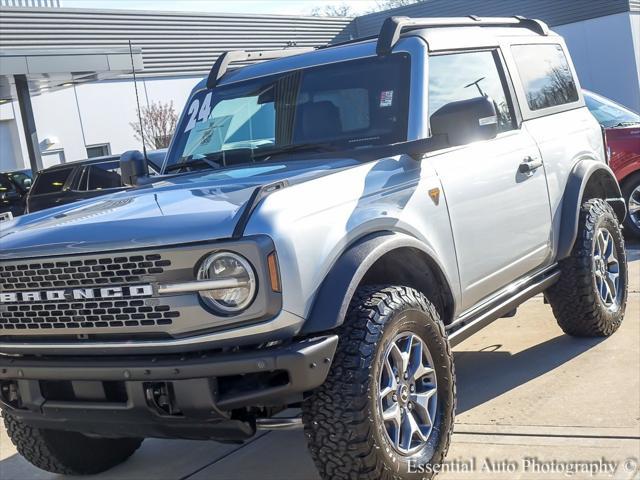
[488, 120]
[386, 98]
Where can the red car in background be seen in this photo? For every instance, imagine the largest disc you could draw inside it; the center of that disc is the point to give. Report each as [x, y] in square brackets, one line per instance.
[622, 134]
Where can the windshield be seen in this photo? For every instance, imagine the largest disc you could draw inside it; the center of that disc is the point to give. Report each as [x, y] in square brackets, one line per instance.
[608, 113]
[340, 105]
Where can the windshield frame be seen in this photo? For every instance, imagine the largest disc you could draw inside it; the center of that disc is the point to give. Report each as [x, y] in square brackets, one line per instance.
[415, 47]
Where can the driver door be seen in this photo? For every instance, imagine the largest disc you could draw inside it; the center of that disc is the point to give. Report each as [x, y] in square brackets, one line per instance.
[500, 218]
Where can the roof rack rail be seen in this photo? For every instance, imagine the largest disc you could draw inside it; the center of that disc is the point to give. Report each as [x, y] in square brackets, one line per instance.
[394, 26]
[222, 63]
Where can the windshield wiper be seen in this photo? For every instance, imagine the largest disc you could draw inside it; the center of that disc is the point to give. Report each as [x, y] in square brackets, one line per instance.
[190, 162]
[252, 154]
[626, 124]
[293, 148]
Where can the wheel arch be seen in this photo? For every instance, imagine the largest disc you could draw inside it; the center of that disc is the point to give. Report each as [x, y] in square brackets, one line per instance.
[380, 258]
[588, 179]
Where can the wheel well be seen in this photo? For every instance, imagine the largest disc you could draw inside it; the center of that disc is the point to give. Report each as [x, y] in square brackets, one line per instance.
[600, 185]
[413, 268]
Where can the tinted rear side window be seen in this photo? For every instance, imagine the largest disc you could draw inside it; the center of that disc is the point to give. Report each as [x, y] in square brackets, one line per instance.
[51, 181]
[545, 74]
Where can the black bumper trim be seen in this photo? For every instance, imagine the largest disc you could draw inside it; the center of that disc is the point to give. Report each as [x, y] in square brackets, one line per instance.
[295, 358]
[205, 408]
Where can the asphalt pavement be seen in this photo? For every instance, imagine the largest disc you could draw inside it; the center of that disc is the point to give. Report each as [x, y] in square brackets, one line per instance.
[533, 403]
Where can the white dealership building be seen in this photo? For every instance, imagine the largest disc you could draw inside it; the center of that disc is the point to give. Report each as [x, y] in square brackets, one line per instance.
[88, 111]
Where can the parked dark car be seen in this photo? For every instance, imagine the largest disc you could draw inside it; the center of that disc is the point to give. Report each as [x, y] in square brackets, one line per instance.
[12, 197]
[13, 190]
[622, 135]
[70, 182]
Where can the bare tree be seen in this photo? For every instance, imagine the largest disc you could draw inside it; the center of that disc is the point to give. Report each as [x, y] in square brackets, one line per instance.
[158, 124]
[389, 4]
[333, 10]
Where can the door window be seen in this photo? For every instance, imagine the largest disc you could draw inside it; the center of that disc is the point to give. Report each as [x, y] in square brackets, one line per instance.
[545, 74]
[103, 175]
[467, 75]
[51, 181]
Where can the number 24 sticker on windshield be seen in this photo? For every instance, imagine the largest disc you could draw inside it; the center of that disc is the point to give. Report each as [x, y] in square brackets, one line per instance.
[197, 113]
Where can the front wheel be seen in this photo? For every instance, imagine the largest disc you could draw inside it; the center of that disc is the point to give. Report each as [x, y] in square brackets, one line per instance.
[590, 298]
[386, 411]
[67, 453]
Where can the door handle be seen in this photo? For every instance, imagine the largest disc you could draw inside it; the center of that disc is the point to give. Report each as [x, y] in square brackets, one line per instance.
[529, 165]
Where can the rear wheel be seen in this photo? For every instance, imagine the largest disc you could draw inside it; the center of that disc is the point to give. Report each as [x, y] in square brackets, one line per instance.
[387, 408]
[590, 298]
[68, 453]
[631, 193]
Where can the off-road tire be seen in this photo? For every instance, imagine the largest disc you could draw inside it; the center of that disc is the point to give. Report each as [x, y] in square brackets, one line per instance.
[574, 299]
[68, 453]
[628, 187]
[344, 437]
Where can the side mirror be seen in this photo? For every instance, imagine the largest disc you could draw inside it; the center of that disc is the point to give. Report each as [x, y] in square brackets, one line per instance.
[466, 121]
[133, 167]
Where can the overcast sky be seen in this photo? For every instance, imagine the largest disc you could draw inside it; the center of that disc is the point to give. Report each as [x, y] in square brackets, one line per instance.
[277, 7]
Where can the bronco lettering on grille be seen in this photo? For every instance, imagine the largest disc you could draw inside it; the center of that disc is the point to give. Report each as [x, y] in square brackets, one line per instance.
[76, 294]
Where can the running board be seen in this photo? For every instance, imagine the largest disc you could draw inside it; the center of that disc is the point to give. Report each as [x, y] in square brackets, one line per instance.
[467, 327]
[279, 423]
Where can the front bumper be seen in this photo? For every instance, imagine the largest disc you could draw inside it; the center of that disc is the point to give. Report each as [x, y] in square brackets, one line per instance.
[200, 396]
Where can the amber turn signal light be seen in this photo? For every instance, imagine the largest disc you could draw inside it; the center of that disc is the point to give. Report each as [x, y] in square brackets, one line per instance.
[274, 274]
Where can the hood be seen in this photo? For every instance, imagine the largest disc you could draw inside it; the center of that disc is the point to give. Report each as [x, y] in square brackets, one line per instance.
[173, 210]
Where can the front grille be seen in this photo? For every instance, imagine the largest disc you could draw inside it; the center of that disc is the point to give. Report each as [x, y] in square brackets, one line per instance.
[85, 315]
[79, 316]
[96, 271]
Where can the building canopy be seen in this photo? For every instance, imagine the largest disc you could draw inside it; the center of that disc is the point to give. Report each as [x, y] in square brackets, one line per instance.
[51, 69]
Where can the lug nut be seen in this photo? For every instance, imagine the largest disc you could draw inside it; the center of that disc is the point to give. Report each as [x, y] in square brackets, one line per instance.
[412, 388]
[395, 397]
[410, 406]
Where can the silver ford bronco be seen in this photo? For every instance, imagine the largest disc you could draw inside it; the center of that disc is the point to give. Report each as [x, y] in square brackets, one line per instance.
[327, 226]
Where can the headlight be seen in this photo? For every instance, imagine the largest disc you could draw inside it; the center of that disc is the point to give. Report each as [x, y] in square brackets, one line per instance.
[228, 266]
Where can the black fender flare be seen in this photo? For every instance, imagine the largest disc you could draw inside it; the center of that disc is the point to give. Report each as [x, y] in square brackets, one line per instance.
[339, 285]
[579, 178]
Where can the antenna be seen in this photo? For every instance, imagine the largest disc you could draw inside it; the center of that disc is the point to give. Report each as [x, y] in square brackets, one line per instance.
[135, 85]
[477, 84]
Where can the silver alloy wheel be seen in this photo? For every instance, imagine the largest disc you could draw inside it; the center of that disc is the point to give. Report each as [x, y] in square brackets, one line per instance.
[634, 206]
[407, 397]
[606, 268]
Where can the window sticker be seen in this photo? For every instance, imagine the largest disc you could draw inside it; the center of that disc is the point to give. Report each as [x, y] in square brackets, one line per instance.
[197, 113]
[386, 98]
